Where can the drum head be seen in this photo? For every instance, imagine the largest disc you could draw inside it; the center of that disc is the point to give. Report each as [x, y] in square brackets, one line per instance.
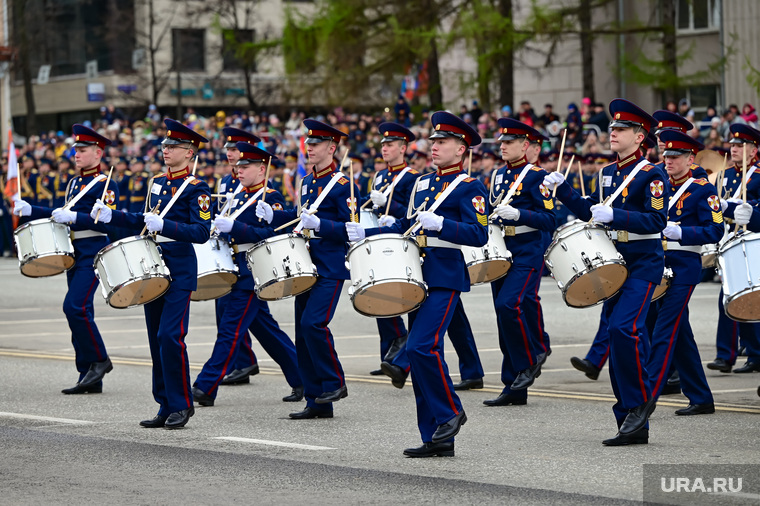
[389, 298]
[596, 286]
[214, 286]
[661, 289]
[486, 272]
[745, 306]
[135, 293]
[285, 288]
[47, 265]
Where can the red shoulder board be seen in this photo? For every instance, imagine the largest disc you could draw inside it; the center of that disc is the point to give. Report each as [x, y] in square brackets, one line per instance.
[468, 179]
[195, 181]
[701, 182]
[413, 171]
[647, 168]
[269, 190]
[536, 168]
[342, 180]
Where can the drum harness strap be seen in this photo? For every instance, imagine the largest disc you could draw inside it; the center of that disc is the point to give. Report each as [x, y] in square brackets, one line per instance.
[83, 234]
[229, 202]
[434, 242]
[238, 212]
[738, 192]
[160, 238]
[312, 208]
[387, 191]
[510, 230]
[624, 235]
[675, 245]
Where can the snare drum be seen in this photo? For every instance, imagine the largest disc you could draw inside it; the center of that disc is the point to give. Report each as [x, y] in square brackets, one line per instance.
[44, 248]
[490, 262]
[739, 267]
[217, 271]
[368, 219]
[667, 279]
[584, 262]
[132, 272]
[709, 255]
[386, 276]
[281, 267]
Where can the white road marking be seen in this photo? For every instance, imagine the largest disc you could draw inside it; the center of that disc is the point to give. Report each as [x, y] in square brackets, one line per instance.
[274, 443]
[45, 418]
[63, 320]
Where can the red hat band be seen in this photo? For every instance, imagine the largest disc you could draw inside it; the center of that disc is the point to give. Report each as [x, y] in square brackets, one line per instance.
[89, 138]
[174, 134]
[685, 146]
[388, 133]
[633, 118]
[451, 128]
[324, 133]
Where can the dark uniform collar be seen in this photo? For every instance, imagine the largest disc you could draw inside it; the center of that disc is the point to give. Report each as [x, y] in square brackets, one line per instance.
[517, 163]
[92, 171]
[323, 172]
[180, 174]
[254, 188]
[396, 168]
[679, 182]
[451, 169]
[629, 161]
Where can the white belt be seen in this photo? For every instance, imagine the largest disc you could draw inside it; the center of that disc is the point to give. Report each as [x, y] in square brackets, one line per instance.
[434, 242]
[510, 230]
[625, 236]
[160, 238]
[84, 234]
[674, 246]
[241, 248]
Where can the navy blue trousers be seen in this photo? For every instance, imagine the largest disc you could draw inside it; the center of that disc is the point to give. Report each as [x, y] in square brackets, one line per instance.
[389, 329]
[600, 347]
[729, 333]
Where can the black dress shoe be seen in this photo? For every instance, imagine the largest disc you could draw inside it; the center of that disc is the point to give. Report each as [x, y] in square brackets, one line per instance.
[308, 413]
[449, 429]
[748, 367]
[697, 409]
[376, 372]
[241, 376]
[671, 389]
[637, 417]
[585, 366]
[334, 396]
[742, 351]
[395, 373]
[79, 389]
[155, 423]
[397, 345]
[720, 364]
[470, 384]
[202, 397]
[526, 377]
[96, 373]
[295, 396]
[506, 399]
[431, 450]
[179, 419]
[640, 437]
[674, 378]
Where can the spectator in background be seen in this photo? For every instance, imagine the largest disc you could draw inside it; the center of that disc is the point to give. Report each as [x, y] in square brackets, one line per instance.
[749, 115]
[574, 124]
[671, 106]
[599, 117]
[547, 117]
[402, 111]
[476, 112]
[526, 114]
[506, 112]
[586, 109]
[706, 123]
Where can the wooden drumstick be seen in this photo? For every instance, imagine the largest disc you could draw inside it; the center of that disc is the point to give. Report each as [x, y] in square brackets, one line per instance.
[105, 190]
[351, 183]
[744, 180]
[469, 168]
[580, 175]
[266, 180]
[559, 160]
[390, 195]
[154, 211]
[195, 165]
[293, 222]
[721, 176]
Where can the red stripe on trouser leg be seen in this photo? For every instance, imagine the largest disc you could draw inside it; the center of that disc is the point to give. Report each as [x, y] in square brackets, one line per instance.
[234, 343]
[526, 341]
[671, 341]
[438, 357]
[327, 336]
[84, 316]
[183, 333]
[642, 385]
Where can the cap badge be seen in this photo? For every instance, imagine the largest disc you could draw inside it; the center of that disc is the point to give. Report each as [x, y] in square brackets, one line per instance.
[617, 116]
[438, 127]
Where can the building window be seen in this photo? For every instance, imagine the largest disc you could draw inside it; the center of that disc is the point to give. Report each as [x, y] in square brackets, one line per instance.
[237, 53]
[697, 15]
[189, 49]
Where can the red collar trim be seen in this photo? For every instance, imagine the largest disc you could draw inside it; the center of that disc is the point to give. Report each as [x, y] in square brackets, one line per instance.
[93, 171]
[679, 182]
[451, 169]
[631, 160]
[179, 174]
[254, 188]
[323, 172]
[518, 163]
[396, 168]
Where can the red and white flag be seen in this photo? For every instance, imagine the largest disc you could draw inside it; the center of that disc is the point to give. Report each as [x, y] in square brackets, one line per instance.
[12, 183]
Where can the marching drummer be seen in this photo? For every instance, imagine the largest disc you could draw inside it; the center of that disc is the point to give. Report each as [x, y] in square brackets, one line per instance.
[88, 238]
[525, 209]
[181, 215]
[327, 191]
[694, 219]
[744, 138]
[451, 211]
[242, 305]
[667, 120]
[636, 212]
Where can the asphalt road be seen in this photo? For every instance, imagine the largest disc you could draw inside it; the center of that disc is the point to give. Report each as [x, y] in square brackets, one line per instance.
[70, 449]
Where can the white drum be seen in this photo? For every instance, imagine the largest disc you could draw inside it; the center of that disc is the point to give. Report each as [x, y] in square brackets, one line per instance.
[584, 262]
[386, 275]
[217, 271]
[44, 248]
[132, 272]
[667, 279]
[709, 255]
[368, 219]
[739, 267]
[490, 262]
[281, 267]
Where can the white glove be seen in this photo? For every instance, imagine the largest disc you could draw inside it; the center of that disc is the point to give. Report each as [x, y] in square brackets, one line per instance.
[105, 212]
[355, 231]
[601, 213]
[724, 203]
[62, 215]
[223, 223]
[553, 179]
[264, 210]
[430, 221]
[21, 208]
[154, 222]
[742, 214]
[507, 212]
[672, 231]
[377, 198]
[386, 220]
[309, 220]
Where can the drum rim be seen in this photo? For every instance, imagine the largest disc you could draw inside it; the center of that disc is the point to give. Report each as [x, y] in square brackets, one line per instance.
[492, 279]
[424, 298]
[66, 254]
[557, 237]
[751, 236]
[259, 287]
[126, 240]
[578, 275]
[727, 299]
[276, 238]
[377, 237]
[113, 290]
[38, 221]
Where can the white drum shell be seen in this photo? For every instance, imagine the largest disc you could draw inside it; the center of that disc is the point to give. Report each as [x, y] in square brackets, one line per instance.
[281, 267]
[217, 270]
[132, 272]
[739, 267]
[44, 248]
[368, 219]
[490, 262]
